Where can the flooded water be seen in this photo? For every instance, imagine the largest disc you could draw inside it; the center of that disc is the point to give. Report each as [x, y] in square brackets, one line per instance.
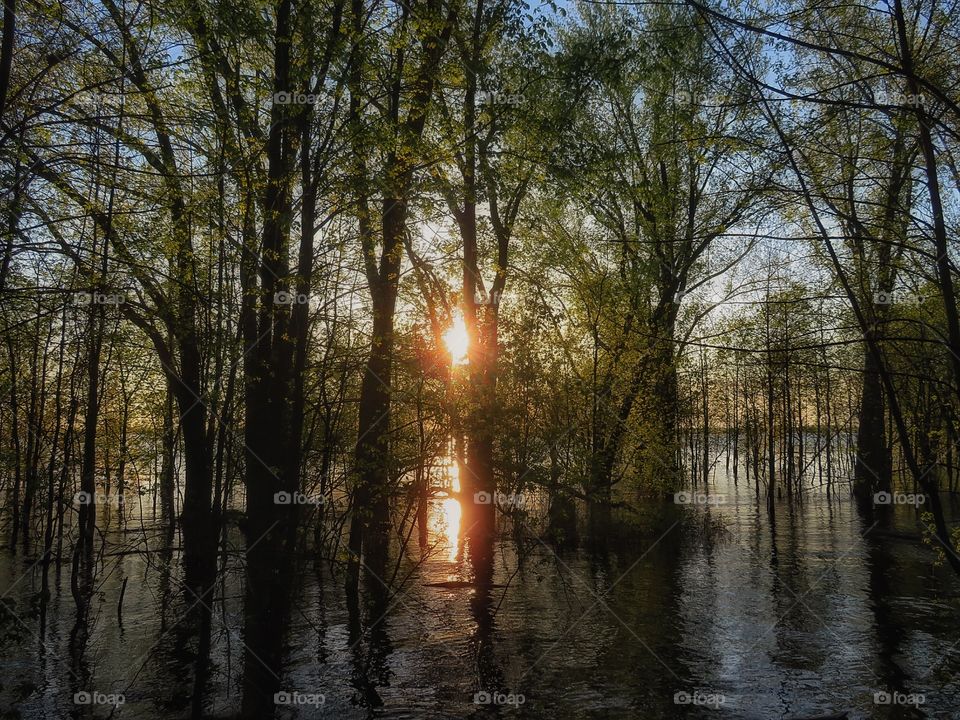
[717, 613]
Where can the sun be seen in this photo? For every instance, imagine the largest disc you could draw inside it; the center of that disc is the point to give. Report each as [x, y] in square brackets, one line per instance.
[457, 340]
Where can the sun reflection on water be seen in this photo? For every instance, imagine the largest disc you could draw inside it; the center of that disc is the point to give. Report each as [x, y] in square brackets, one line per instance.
[447, 524]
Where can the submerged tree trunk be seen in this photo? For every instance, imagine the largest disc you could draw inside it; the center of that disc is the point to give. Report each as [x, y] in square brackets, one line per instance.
[167, 480]
[872, 471]
[87, 510]
[370, 520]
[372, 508]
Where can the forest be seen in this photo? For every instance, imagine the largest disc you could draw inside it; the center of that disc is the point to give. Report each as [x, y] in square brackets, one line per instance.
[479, 358]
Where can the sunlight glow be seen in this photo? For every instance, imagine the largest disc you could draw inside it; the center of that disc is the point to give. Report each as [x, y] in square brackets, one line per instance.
[457, 341]
[454, 476]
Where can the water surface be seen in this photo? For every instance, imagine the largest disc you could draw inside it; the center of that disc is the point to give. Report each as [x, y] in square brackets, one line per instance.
[717, 615]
